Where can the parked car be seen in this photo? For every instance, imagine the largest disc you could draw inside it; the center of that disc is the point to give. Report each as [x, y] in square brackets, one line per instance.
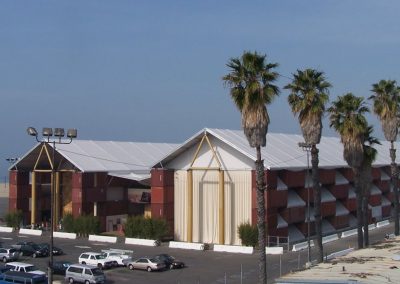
[30, 249]
[20, 244]
[22, 277]
[56, 250]
[84, 274]
[24, 267]
[118, 258]
[169, 261]
[59, 267]
[7, 254]
[146, 263]
[96, 259]
[3, 269]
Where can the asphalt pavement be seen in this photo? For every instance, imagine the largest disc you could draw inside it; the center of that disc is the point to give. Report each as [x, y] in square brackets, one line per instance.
[203, 267]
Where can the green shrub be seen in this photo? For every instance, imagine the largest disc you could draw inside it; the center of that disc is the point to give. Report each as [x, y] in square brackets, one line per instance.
[82, 225]
[248, 234]
[145, 228]
[14, 219]
[68, 223]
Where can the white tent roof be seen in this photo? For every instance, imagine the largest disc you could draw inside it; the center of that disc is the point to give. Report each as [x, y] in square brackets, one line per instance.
[112, 156]
[282, 150]
[131, 160]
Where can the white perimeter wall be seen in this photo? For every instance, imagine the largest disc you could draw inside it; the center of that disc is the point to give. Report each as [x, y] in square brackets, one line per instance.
[205, 205]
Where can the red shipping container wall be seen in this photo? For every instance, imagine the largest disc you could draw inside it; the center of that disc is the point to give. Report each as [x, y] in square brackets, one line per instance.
[328, 209]
[293, 179]
[277, 198]
[339, 222]
[339, 191]
[327, 176]
[303, 228]
[376, 173]
[348, 174]
[375, 200]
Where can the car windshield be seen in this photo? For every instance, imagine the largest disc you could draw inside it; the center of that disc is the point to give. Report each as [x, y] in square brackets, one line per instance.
[97, 271]
[30, 268]
[100, 256]
[12, 250]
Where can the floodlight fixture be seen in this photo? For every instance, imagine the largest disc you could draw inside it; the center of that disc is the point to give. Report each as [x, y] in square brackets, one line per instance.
[32, 131]
[59, 132]
[72, 133]
[47, 132]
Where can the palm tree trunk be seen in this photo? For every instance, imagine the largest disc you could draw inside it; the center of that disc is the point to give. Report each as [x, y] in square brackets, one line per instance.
[365, 219]
[394, 176]
[317, 203]
[261, 217]
[357, 185]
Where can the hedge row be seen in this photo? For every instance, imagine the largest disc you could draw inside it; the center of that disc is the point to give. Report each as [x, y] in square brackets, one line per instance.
[145, 228]
[82, 225]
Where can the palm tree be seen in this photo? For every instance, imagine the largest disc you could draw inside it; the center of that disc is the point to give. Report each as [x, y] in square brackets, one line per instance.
[308, 98]
[386, 102]
[250, 81]
[347, 118]
[370, 154]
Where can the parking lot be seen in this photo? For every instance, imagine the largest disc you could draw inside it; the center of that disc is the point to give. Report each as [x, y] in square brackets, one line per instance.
[201, 266]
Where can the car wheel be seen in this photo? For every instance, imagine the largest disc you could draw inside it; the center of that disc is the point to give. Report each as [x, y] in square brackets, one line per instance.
[4, 259]
[87, 282]
[83, 262]
[99, 265]
[34, 255]
[71, 280]
[171, 266]
[149, 269]
[130, 266]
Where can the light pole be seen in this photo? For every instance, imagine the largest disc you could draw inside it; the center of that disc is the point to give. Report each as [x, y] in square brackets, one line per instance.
[58, 134]
[10, 161]
[307, 148]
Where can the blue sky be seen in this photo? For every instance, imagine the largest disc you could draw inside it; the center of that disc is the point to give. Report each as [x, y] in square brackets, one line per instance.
[151, 70]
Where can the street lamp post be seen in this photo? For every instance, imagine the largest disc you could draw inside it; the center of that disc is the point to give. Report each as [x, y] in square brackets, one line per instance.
[11, 161]
[47, 133]
[307, 148]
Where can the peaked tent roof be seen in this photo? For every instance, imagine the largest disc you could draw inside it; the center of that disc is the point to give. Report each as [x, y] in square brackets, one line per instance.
[282, 150]
[131, 160]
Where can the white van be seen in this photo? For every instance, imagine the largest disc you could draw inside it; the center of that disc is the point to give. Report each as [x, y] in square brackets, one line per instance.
[83, 273]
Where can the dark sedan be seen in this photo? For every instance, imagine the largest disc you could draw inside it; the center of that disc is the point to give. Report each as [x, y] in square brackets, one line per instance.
[56, 250]
[59, 267]
[33, 250]
[169, 261]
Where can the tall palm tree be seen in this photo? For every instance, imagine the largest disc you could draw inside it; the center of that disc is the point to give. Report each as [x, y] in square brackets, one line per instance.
[250, 81]
[386, 100]
[370, 154]
[308, 97]
[347, 117]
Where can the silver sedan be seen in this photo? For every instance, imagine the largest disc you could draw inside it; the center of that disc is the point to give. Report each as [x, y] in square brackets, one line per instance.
[145, 263]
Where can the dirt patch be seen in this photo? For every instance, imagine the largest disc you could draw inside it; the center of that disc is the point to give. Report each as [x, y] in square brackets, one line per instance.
[359, 260]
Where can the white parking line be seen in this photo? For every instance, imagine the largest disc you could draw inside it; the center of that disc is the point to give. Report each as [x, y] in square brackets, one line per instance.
[22, 236]
[82, 247]
[99, 245]
[6, 238]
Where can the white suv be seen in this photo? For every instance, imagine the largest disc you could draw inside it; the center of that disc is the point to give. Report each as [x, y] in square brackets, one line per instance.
[24, 267]
[96, 259]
